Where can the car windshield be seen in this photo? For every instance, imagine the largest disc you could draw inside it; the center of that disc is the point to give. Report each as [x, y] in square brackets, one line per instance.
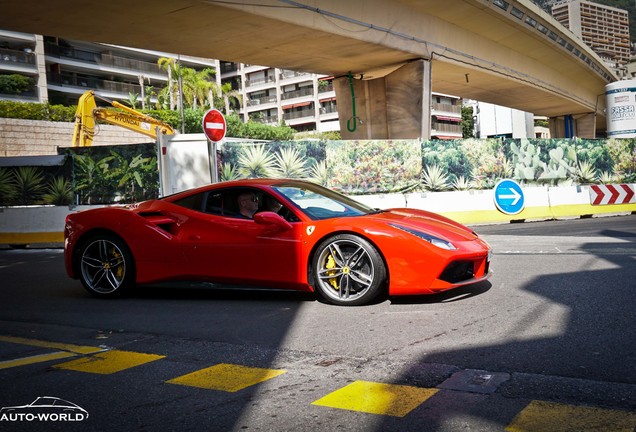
[318, 202]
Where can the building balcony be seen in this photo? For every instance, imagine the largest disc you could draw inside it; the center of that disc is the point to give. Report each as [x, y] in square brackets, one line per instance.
[103, 59]
[306, 91]
[18, 61]
[454, 130]
[270, 120]
[17, 56]
[295, 115]
[261, 101]
[260, 82]
[82, 84]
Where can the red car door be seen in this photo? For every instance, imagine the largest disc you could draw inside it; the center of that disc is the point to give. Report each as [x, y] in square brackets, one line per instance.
[235, 250]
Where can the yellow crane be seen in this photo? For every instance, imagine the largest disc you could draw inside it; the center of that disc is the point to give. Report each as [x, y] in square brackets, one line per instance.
[88, 113]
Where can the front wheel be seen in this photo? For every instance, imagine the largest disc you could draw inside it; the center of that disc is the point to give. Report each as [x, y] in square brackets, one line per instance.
[348, 270]
[106, 266]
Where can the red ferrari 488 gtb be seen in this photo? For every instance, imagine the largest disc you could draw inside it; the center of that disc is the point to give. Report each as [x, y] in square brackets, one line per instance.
[285, 234]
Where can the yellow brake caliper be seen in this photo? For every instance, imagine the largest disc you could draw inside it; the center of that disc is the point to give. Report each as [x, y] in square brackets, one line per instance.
[331, 263]
[120, 269]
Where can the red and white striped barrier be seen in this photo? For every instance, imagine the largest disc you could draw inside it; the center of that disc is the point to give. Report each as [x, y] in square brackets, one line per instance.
[612, 194]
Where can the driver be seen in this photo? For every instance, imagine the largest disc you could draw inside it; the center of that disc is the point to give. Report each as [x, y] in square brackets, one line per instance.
[248, 204]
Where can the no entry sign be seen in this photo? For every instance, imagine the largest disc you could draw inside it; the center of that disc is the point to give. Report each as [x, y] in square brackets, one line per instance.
[214, 125]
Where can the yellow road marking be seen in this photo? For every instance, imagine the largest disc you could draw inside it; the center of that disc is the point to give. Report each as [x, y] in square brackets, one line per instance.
[35, 359]
[226, 377]
[541, 416]
[77, 349]
[109, 362]
[377, 398]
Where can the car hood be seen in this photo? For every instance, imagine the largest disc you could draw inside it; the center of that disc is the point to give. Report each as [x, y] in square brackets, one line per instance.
[429, 222]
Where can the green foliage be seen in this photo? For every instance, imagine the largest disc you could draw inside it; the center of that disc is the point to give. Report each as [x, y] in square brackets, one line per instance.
[461, 183]
[28, 111]
[133, 176]
[447, 154]
[59, 192]
[585, 173]
[595, 152]
[320, 173]
[606, 177]
[14, 84]
[256, 161]
[623, 155]
[7, 186]
[91, 175]
[229, 172]
[374, 166]
[36, 111]
[550, 162]
[434, 178]
[315, 135]
[103, 175]
[289, 163]
[29, 185]
[468, 124]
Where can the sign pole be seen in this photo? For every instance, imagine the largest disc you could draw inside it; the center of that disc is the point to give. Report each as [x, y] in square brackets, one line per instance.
[214, 169]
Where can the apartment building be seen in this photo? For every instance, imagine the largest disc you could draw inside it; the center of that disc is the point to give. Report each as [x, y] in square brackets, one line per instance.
[304, 101]
[61, 70]
[446, 117]
[605, 29]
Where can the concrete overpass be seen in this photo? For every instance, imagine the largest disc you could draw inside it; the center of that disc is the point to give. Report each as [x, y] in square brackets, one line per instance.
[392, 53]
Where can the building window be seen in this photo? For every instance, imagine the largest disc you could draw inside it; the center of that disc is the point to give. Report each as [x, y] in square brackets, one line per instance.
[500, 4]
[516, 13]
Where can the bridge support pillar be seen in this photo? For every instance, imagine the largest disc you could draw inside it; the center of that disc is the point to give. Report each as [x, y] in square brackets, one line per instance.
[568, 126]
[396, 106]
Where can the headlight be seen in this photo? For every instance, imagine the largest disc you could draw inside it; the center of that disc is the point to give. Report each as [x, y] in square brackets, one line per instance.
[436, 241]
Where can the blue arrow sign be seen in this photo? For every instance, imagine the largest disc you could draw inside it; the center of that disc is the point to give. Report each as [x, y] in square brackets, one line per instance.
[509, 197]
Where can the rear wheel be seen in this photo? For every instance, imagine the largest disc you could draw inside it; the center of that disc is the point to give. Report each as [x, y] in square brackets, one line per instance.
[106, 266]
[348, 270]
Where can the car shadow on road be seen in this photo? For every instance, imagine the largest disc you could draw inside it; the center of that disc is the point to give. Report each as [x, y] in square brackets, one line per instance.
[210, 291]
[449, 296]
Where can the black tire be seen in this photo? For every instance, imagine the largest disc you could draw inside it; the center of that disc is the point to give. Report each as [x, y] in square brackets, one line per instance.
[106, 266]
[348, 270]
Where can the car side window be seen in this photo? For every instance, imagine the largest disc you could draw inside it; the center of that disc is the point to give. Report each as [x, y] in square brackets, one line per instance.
[214, 203]
[192, 202]
[226, 203]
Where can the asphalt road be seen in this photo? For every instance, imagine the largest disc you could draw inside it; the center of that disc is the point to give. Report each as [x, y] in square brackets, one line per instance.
[551, 332]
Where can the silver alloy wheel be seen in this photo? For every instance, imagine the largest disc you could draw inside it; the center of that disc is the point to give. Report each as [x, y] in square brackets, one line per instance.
[103, 266]
[345, 270]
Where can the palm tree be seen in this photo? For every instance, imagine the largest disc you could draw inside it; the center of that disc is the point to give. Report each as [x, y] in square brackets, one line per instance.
[132, 99]
[170, 65]
[231, 97]
[205, 87]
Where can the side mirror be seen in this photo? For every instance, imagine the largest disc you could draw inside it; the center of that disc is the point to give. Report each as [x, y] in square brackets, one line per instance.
[272, 219]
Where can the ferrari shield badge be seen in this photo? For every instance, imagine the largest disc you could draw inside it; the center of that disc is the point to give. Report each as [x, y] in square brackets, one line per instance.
[310, 229]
